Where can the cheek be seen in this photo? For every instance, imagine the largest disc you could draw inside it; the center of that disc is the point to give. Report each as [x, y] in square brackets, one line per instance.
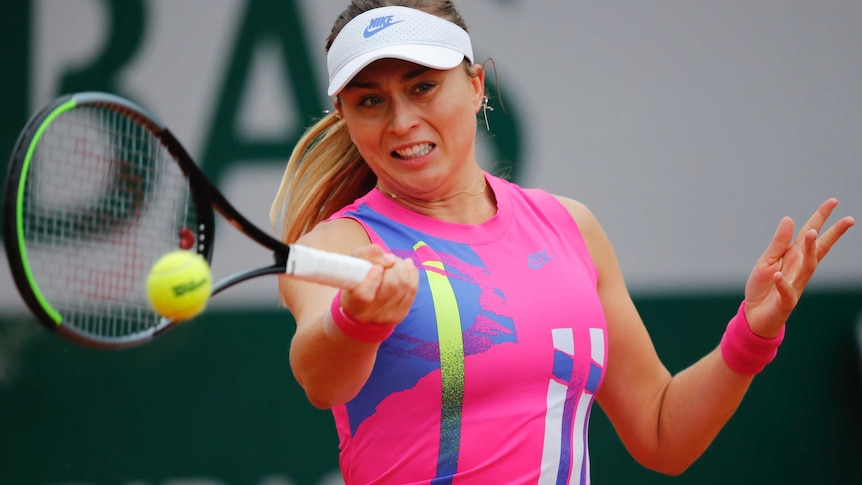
[357, 130]
[461, 123]
[462, 110]
[367, 141]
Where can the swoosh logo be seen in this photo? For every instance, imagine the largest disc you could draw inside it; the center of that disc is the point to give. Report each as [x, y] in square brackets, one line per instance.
[539, 259]
[378, 24]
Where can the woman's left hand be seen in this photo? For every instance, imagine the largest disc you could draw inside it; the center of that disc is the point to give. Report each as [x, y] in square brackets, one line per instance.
[781, 273]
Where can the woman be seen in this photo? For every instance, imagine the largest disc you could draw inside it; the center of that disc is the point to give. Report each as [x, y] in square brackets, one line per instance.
[493, 315]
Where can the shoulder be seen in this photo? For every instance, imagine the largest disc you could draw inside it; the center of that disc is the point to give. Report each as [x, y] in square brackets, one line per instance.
[584, 219]
[575, 208]
[594, 235]
[341, 235]
[579, 211]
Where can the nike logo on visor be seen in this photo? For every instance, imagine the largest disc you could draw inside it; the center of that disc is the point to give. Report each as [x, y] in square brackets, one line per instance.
[378, 24]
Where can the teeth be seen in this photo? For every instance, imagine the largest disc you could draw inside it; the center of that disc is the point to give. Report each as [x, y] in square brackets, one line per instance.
[415, 151]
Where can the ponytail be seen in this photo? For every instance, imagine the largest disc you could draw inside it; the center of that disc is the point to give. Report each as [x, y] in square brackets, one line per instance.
[325, 172]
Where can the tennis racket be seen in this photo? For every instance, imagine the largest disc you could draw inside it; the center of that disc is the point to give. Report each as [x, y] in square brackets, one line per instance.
[97, 190]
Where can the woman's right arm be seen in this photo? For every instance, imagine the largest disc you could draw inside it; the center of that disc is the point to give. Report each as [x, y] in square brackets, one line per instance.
[330, 366]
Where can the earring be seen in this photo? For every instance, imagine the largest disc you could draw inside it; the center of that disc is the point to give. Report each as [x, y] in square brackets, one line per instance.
[327, 112]
[485, 109]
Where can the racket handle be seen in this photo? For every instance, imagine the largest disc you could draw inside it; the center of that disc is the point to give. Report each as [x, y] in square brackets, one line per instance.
[326, 268]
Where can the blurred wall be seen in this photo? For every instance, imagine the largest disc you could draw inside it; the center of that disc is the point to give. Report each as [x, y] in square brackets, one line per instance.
[689, 128]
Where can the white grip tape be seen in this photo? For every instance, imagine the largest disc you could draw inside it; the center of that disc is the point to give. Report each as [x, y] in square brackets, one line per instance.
[326, 268]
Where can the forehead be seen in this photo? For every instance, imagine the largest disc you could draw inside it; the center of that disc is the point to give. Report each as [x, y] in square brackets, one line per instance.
[388, 68]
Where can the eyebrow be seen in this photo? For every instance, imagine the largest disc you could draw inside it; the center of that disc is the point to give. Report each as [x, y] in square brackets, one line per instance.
[372, 84]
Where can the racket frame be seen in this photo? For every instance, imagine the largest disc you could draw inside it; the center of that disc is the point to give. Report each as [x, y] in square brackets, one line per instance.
[305, 263]
[13, 200]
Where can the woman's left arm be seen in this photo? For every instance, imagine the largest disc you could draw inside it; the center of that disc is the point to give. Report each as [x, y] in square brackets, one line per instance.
[665, 421]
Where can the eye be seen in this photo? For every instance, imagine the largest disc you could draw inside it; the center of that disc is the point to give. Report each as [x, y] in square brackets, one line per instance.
[370, 101]
[424, 87]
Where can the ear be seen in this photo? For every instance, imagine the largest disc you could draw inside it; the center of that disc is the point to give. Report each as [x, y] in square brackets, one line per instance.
[478, 83]
[336, 103]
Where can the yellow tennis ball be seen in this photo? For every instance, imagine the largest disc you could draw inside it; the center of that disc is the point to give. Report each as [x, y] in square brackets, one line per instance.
[179, 285]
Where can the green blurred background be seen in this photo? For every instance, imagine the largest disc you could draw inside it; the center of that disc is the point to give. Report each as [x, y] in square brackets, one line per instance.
[214, 399]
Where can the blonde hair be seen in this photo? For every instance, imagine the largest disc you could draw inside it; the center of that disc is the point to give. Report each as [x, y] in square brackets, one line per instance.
[325, 171]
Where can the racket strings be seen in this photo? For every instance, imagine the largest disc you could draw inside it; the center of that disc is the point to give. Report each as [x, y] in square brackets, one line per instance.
[103, 200]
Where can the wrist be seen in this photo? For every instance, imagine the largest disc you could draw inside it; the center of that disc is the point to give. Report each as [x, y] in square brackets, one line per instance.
[371, 333]
[744, 351]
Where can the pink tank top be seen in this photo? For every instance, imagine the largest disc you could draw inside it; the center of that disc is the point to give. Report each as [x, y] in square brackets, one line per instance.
[491, 377]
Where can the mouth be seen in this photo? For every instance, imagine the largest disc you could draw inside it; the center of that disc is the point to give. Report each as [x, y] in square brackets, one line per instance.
[414, 151]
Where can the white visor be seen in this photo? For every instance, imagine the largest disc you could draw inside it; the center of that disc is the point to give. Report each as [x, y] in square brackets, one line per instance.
[397, 33]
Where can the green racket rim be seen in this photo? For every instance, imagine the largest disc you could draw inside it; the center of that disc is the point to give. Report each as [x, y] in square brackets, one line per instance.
[49, 310]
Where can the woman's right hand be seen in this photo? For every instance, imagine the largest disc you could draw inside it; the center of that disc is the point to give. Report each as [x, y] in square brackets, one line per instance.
[386, 294]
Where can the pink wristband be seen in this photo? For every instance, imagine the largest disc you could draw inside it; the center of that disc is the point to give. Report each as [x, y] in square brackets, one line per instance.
[744, 351]
[371, 333]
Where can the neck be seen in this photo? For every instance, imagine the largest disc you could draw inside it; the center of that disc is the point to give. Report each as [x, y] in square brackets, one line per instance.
[429, 202]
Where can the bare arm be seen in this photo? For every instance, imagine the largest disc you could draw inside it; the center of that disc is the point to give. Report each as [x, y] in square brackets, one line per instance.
[666, 422]
[330, 366]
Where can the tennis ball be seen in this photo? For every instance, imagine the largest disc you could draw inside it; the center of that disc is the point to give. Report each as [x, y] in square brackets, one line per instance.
[179, 285]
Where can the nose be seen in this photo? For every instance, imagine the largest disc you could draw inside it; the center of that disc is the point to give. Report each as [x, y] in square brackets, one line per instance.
[404, 116]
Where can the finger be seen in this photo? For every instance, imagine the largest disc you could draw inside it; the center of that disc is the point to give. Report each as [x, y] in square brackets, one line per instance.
[375, 254]
[369, 252]
[400, 279]
[396, 292]
[411, 287]
[832, 235]
[780, 241]
[399, 304]
[409, 275]
[390, 286]
[809, 261]
[365, 291]
[818, 219]
[788, 296]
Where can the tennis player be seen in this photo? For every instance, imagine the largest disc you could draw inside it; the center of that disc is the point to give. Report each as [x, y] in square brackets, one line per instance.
[495, 315]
